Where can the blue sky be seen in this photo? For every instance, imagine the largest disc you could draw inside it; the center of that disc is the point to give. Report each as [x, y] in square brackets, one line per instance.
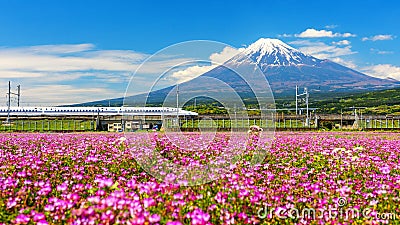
[72, 51]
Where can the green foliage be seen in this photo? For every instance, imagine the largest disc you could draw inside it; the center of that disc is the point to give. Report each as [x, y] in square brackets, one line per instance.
[207, 109]
[377, 102]
[381, 102]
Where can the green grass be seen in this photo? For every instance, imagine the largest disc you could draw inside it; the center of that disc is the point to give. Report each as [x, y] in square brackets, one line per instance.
[48, 125]
[240, 123]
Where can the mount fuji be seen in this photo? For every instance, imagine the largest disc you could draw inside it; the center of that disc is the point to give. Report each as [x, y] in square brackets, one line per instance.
[284, 67]
[268, 52]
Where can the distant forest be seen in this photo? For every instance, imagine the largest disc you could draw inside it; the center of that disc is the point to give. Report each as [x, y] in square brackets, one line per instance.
[383, 102]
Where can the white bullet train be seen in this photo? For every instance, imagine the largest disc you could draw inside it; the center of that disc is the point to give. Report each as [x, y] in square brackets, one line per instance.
[94, 111]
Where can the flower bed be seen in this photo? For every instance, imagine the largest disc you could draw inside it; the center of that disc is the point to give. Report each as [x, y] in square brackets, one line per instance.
[95, 179]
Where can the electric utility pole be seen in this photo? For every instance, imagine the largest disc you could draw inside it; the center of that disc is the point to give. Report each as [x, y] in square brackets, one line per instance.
[9, 93]
[306, 94]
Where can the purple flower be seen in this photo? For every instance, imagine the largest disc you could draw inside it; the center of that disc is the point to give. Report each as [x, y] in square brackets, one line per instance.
[49, 208]
[243, 193]
[93, 199]
[63, 187]
[173, 223]
[178, 196]
[21, 174]
[42, 222]
[154, 218]
[38, 217]
[148, 202]
[385, 169]
[22, 219]
[198, 216]
[11, 203]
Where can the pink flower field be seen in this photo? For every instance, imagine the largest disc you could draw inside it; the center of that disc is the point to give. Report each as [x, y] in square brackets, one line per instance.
[305, 178]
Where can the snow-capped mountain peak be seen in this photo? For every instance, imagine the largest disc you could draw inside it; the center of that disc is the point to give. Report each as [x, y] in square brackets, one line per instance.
[273, 52]
[269, 45]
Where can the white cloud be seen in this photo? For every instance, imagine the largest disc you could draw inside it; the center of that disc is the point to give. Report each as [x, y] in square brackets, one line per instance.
[75, 67]
[347, 35]
[321, 50]
[285, 35]
[190, 72]
[313, 33]
[379, 37]
[332, 26]
[384, 52]
[380, 52]
[18, 59]
[8, 74]
[58, 49]
[347, 63]
[225, 55]
[44, 95]
[383, 71]
[216, 59]
[75, 73]
[342, 42]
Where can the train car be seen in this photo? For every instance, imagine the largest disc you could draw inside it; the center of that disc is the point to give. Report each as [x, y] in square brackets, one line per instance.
[93, 111]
